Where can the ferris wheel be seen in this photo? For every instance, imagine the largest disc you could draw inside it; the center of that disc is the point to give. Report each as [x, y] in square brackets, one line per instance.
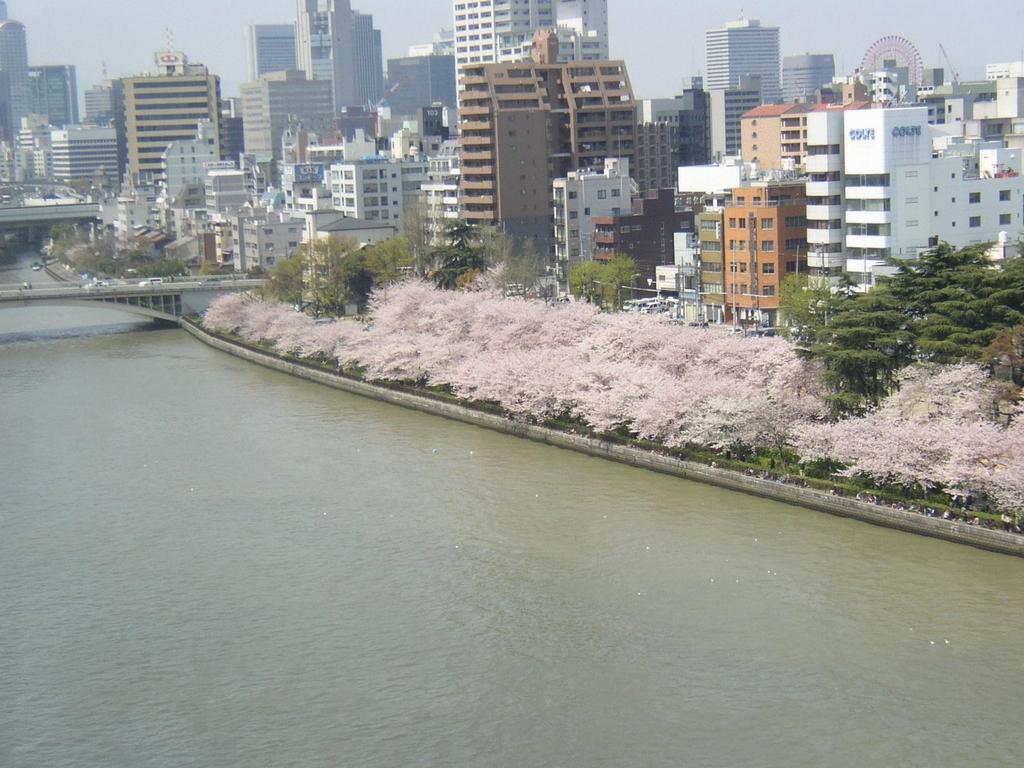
[894, 48]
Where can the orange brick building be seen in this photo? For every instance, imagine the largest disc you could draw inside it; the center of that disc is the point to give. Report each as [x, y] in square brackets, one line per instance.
[764, 235]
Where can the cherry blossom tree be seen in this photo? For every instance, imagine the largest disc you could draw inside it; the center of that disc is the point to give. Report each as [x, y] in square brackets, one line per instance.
[674, 385]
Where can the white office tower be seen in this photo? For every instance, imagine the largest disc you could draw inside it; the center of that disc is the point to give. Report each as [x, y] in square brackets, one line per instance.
[270, 48]
[79, 154]
[587, 21]
[1004, 70]
[741, 48]
[14, 68]
[324, 46]
[488, 31]
[826, 215]
[885, 188]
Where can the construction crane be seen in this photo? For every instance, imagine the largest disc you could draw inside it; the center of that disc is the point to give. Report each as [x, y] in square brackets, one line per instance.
[952, 69]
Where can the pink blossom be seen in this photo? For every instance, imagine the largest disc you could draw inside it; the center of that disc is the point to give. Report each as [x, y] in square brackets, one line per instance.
[670, 384]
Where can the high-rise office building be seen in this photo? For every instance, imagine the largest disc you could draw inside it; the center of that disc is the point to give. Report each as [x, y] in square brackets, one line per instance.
[80, 153]
[588, 21]
[324, 44]
[728, 105]
[368, 60]
[690, 114]
[151, 111]
[99, 104]
[270, 48]
[272, 103]
[232, 130]
[743, 48]
[14, 70]
[53, 93]
[419, 81]
[489, 31]
[803, 75]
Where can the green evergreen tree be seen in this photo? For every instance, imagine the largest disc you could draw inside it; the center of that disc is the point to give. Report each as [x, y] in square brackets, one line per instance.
[959, 302]
[460, 259]
[865, 344]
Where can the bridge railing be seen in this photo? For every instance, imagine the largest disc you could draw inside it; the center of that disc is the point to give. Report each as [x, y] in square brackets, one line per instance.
[90, 291]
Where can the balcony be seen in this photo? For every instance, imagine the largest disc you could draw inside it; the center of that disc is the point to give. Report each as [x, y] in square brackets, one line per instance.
[869, 241]
[480, 152]
[824, 163]
[478, 170]
[824, 236]
[824, 188]
[825, 260]
[824, 212]
[869, 217]
[475, 109]
[868, 193]
[484, 183]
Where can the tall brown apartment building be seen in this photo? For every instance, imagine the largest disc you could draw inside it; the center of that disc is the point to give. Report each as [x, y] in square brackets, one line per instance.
[527, 123]
[765, 237]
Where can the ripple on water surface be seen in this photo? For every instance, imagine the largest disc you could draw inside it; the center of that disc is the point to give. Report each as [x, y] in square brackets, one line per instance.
[206, 563]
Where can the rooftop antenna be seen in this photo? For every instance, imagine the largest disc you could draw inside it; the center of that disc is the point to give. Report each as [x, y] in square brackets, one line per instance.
[103, 69]
[170, 38]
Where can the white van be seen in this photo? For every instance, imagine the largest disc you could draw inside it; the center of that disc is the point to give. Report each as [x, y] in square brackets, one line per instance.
[152, 281]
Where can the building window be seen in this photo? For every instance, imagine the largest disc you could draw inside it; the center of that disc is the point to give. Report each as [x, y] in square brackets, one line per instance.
[769, 290]
[974, 197]
[732, 221]
[767, 245]
[1004, 195]
[1004, 218]
[768, 269]
[974, 222]
[767, 223]
[602, 194]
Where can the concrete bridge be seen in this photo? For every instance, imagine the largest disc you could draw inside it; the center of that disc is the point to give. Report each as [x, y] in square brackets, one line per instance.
[35, 216]
[165, 301]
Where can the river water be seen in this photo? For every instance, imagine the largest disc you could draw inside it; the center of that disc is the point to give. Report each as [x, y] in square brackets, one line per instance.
[204, 563]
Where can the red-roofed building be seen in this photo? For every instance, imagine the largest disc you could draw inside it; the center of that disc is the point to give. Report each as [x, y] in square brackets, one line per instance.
[774, 136]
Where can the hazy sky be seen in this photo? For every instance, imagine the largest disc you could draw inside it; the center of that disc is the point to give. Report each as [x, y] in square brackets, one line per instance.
[661, 40]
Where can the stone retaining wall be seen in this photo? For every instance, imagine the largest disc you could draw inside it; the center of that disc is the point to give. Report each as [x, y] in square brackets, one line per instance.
[959, 532]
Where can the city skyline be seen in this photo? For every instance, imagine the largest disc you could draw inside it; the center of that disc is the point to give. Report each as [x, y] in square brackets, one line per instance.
[215, 35]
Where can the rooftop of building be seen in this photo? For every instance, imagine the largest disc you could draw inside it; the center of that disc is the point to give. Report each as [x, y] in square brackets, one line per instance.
[349, 224]
[775, 110]
[842, 107]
